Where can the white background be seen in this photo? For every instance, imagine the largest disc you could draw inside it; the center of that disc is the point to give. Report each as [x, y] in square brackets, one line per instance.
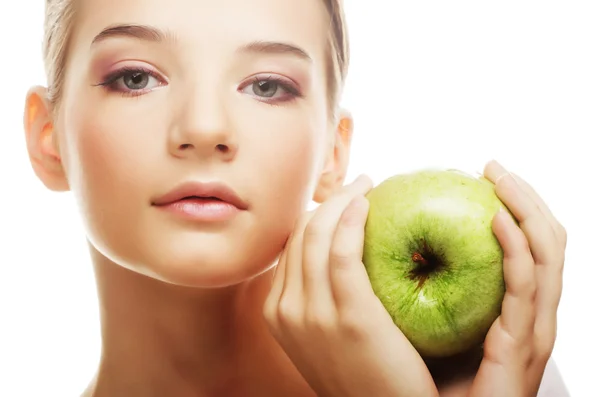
[449, 84]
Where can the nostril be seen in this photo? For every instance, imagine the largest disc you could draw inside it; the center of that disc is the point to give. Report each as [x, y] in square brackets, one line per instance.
[221, 148]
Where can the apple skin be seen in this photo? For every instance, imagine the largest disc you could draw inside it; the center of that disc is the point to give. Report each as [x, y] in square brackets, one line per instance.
[433, 260]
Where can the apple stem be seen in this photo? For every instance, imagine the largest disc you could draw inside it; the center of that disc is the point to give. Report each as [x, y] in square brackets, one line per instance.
[418, 258]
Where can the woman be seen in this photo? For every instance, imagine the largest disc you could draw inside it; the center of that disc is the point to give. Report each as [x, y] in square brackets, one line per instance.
[193, 135]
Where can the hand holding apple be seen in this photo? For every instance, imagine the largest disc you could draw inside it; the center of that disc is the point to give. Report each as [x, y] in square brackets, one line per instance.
[520, 341]
[433, 259]
[323, 312]
[447, 259]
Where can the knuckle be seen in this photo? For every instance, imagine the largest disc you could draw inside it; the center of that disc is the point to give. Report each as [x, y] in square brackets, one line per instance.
[522, 243]
[545, 346]
[562, 234]
[523, 288]
[288, 312]
[529, 361]
[319, 320]
[529, 296]
[271, 320]
[523, 354]
[518, 246]
[269, 313]
[352, 326]
[561, 264]
[530, 291]
[544, 353]
[314, 230]
[341, 256]
[302, 223]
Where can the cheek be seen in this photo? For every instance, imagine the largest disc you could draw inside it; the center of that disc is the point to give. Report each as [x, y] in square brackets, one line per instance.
[279, 166]
[287, 154]
[111, 153]
[109, 156]
[282, 164]
[110, 171]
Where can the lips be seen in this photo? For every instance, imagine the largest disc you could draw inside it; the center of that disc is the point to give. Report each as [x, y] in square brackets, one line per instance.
[202, 191]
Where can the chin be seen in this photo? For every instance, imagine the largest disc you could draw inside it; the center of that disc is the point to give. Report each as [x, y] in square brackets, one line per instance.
[197, 260]
[208, 272]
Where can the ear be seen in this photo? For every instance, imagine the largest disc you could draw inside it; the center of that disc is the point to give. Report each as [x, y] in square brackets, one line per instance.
[336, 166]
[42, 142]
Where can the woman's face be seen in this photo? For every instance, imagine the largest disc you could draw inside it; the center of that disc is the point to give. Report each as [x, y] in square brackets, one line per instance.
[160, 93]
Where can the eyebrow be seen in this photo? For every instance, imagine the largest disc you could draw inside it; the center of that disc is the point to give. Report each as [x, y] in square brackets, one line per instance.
[273, 47]
[152, 34]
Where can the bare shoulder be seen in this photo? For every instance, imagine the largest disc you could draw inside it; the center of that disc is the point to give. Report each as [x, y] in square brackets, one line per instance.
[553, 384]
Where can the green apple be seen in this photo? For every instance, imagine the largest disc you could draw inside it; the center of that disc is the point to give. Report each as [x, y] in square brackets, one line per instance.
[433, 259]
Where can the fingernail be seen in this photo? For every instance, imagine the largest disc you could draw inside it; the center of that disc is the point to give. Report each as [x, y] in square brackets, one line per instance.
[503, 213]
[510, 179]
[502, 176]
[503, 210]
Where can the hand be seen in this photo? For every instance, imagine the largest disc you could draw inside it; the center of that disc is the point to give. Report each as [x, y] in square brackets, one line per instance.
[323, 312]
[520, 342]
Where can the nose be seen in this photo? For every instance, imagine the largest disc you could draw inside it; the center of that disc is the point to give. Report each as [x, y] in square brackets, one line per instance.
[202, 128]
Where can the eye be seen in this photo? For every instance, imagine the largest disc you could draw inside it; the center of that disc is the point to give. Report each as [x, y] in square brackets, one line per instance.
[134, 81]
[265, 88]
[271, 89]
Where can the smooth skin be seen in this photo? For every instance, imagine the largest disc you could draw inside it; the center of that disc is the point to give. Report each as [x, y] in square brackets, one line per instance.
[325, 315]
[183, 305]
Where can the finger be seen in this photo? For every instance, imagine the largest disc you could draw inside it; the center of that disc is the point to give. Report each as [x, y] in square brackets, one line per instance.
[528, 189]
[534, 224]
[543, 247]
[550, 285]
[270, 305]
[549, 276]
[493, 171]
[518, 305]
[292, 281]
[279, 274]
[549, 272]
[349, 279]
[317, 242]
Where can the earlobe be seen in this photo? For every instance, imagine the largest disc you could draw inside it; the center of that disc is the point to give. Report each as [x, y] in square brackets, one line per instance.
[336, 166]
[40, 137]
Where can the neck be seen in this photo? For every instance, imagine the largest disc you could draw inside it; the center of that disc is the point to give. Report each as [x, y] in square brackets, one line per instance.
[160, 339]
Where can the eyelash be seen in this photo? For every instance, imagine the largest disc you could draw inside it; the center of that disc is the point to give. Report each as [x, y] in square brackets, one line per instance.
[291, 92]
[110, 81]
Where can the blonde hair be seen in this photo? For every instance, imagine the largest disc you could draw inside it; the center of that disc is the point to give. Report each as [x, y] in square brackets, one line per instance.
[59, 21]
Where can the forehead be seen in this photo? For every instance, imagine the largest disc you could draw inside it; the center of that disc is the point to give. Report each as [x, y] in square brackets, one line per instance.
[220, 24]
